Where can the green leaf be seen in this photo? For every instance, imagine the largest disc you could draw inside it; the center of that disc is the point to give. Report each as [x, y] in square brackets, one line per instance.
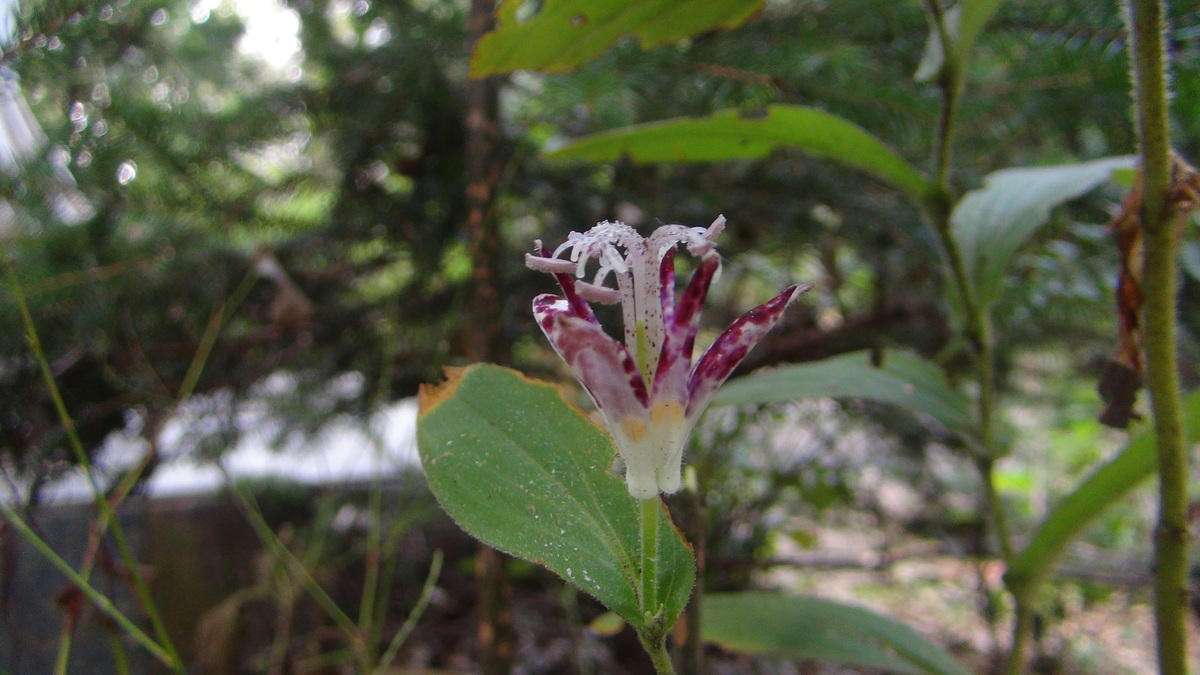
[964, 23]
[566, 33]
[991, 223]
[806, 627]
[732, 134]
[903, 379]
[1108, 485]
[524, 471]
[974, 15]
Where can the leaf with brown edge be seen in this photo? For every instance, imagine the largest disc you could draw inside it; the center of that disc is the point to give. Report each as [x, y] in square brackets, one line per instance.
[526, 472]
[429, 396]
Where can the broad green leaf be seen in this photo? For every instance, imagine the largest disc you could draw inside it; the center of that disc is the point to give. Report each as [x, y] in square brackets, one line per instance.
[1108, 485]
[903, 379]
[811, 628]
[991, 223]
[524, 471]
[964, 23]
[564, 34]
[732, 134]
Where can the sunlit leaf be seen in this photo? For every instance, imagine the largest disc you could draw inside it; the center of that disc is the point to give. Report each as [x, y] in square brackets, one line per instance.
[564, 34]
[526, 472]
[1107, 486]
[903, 379]
[991, 223]
[811, 628]
[734, 134]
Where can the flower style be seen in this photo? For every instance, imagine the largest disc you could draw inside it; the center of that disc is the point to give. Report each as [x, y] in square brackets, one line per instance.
[647, 390]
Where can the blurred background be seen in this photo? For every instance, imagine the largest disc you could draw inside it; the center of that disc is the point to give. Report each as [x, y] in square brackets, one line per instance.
[243, 232]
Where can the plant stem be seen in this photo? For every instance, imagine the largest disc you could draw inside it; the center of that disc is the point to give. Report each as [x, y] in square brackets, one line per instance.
[410, 623]
[692, 508]
[373, 559]
[1022, 631]
[167, 657]
[1160, 252]
[977, 318]
[652, 634]
[296, 567]
[950, 82]
[657, 649]
[649, 547]
[103, 506]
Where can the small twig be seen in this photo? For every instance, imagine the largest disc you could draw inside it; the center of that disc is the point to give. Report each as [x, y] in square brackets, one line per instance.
[410, 623]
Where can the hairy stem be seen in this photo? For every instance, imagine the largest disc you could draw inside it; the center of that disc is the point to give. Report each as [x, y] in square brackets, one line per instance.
[649, 547]
[690, 644]
[1160, 252]
[652, 633]
[657, 649]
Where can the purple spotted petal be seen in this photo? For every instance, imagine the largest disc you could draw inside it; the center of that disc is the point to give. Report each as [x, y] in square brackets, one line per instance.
[600, 363]
[671, 380]
[687, 314]
[732, 346]
[666, 286]
[645, 266]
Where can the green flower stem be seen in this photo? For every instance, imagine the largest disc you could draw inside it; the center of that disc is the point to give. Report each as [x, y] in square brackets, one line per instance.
[1160, 253]
[652, 633]
[649, 572]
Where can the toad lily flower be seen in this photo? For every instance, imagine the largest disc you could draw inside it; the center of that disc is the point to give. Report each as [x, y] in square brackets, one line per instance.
[647, 389]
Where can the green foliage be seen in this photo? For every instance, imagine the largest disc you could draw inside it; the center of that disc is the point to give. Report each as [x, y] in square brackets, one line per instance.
[1100, 491]
[566, 33]
[900, 378]
[198, 161]
[732, 134]
[991, 223]
[347, 168]
[529, 474]
[812, 628]
[963, 24]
